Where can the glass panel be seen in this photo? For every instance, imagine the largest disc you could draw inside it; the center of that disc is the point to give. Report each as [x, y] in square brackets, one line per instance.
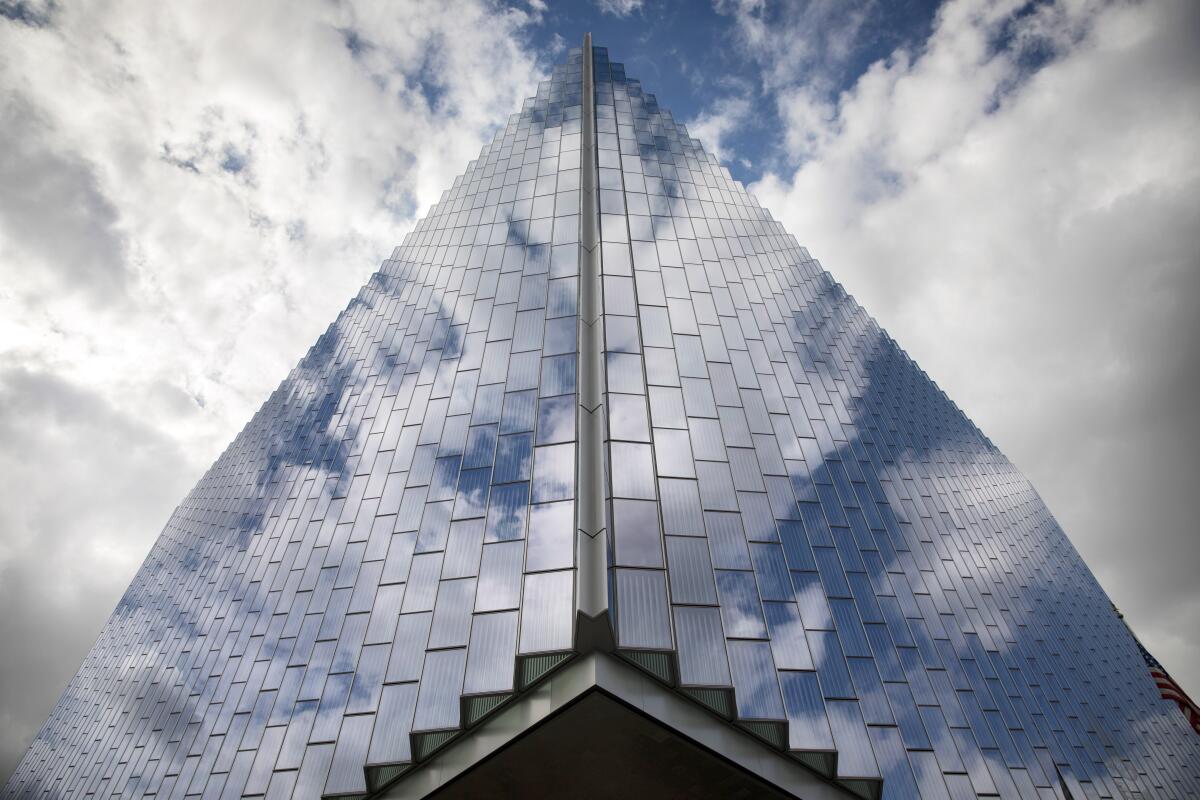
[856, 759]
[707, 441]
[560, 336]
[390, 742]
[514, 458]
[480, 446]
[556, 420]
[368, 679]
[757, 517]
[462, 549]
[554, 473]
[500, 576]
[674, 451]
[452, 616]
[382, 625]
[727, 542]
[346, 773]
[831, 664]
[771, 572]
[445, 478]
[912, 731]
[660, 369]
[627, 417]
[642, 618]
[636, 533]
[423, 583]
[681, 507]
[625, 373]
[621, 335]
[740, 610]
[310, 782]
[788, 643]
[716, 486]
[441, 682]
[291, 752]
[690, 571]
[333, 703]
[492, 654]
[666, 407]
[814, 608]
[551, 542]
[518, 412]
[547, 612]
[435, 526]
[796, 550]
[506, 515]
[633, 472]
[808, 727]
[754, 680]
[472, 496]
[701, 644]
[270, 752]
[558, 375]
[408, 649]
[849, 626]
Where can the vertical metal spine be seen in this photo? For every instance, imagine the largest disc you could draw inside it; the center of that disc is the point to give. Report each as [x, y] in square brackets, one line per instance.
[593, 629]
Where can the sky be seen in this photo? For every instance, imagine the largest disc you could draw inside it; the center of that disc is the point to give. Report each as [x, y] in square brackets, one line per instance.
[190, 192]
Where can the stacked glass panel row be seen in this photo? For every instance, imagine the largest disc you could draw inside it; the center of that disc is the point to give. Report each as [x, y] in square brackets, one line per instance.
[392, 528]
[805, 519]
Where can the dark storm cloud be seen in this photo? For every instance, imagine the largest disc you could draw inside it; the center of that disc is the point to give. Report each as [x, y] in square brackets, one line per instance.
[87, 489]
[52, 208]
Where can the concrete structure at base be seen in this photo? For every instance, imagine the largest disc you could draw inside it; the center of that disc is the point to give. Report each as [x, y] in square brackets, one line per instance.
[602, 484]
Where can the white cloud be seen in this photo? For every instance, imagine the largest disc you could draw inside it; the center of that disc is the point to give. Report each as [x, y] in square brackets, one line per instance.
[1029, 231]
[189, 193]
[717, 122]
[801, 49]
[809, 40]
[619, 8]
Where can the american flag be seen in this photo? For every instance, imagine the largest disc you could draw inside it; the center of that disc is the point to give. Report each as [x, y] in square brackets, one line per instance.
[1170, 690]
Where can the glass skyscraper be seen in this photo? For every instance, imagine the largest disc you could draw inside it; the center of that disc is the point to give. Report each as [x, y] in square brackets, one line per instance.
[601, 482]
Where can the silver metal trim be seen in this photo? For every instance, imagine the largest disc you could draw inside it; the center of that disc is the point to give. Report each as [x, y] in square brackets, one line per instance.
[593, 629]
[602, 672]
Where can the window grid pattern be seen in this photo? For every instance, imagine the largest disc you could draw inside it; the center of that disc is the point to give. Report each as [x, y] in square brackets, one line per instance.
[800, 520]
[811, 525]
[389, 533]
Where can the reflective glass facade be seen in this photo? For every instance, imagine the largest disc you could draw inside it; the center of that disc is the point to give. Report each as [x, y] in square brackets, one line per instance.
[793, 525]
